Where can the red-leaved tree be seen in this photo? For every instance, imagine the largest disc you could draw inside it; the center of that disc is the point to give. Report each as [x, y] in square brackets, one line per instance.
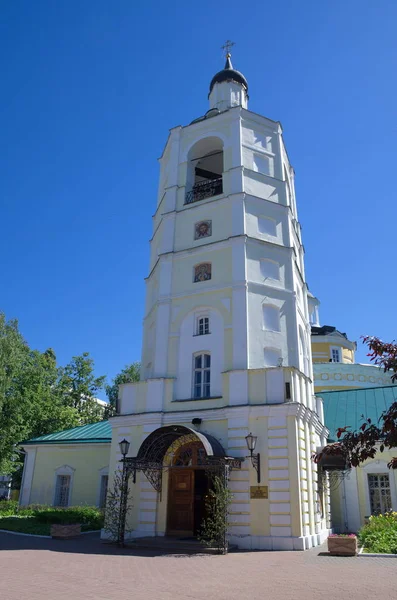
[357, 446]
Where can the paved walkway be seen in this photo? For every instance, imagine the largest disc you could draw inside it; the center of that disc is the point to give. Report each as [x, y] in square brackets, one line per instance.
[85, 569]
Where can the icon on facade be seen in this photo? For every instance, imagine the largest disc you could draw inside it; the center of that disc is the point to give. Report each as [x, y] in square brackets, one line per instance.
[202, 272]
[202, 229]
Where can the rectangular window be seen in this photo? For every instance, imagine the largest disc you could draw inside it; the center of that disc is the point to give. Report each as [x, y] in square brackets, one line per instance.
[203, 326]
[62, 490]
[335, 355]
[379, 493]
[103, 492]
[202, 376]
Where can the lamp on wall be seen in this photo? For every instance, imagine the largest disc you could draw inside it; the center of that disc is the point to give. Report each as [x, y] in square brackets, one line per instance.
[255, 457]
[124, 447]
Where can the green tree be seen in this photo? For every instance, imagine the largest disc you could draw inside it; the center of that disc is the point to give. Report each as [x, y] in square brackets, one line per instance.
[29, 404]
[129, 374]
[78, 387]
[14, 355]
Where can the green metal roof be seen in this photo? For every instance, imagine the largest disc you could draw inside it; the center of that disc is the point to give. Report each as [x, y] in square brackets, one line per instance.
[95, 433]
[343, 408]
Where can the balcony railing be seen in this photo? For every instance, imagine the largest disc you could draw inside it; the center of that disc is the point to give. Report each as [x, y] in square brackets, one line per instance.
[204, 189]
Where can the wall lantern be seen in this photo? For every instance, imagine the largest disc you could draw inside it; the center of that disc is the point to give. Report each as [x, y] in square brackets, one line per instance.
[124, 447]
[255, 457]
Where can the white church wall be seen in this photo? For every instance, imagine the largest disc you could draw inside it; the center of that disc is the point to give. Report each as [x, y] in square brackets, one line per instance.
[190, 344]
[183, 271]
[266, 221]
[266, 263]
[218, 213]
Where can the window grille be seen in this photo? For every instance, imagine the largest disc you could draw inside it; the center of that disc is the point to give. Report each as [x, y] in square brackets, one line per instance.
[379, 493]
[335, 355]
[62, 490]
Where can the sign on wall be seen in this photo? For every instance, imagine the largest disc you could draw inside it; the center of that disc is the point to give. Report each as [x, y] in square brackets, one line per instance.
[259, 492]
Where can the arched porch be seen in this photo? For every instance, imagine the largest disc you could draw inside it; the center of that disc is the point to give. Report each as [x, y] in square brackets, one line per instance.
[178, 462]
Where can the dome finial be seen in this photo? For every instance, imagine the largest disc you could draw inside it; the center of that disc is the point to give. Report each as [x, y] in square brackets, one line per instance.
[227, 47]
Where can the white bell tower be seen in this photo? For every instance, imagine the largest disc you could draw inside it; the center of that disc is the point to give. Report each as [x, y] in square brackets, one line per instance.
[226, 329]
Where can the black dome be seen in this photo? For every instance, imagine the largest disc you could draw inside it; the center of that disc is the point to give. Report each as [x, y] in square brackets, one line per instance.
[229, 74]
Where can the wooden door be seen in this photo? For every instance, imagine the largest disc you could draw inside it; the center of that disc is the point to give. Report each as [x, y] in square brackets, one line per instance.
[180, 502]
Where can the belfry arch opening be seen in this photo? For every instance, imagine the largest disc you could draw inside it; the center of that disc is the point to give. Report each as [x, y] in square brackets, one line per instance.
[205, 170]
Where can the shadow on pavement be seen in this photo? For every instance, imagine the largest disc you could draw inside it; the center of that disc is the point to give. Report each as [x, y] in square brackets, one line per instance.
[85, 544]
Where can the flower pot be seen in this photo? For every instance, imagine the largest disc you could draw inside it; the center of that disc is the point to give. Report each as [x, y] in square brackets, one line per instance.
[65, 532]
[340, 545]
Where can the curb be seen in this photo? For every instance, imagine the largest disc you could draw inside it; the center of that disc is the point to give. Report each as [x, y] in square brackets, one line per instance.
[374, 555]
[48, 537]
[36, 535]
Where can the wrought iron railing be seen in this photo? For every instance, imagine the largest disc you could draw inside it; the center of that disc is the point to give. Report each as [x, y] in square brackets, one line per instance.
[204, 189]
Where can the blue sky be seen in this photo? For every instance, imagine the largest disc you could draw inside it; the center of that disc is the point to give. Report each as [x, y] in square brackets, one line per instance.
[89, 92]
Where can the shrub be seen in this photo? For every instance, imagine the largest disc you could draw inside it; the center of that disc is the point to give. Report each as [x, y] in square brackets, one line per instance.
[379, 535]
[8, 507]
[85, 515]
[89, 517]
[213, 531]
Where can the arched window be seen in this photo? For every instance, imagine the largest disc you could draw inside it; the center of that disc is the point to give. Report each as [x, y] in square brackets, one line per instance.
[202, 272]
[202, 375]
[271, 317]
[270, 269]
[63, 485]
[205, 168]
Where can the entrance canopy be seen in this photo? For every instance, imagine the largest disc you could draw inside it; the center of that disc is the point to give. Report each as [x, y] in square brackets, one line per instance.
[151, 454]
[155, 446]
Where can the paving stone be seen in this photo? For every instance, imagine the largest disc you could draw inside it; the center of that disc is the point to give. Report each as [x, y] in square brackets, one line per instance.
[86, 569]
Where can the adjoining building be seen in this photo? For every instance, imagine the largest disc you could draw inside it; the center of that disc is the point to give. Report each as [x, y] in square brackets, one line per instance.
[333, 355]
[67, 468]
[370, 488]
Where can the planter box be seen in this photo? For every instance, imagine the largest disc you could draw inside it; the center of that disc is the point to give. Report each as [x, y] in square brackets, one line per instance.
[342, 546]
[65, 532]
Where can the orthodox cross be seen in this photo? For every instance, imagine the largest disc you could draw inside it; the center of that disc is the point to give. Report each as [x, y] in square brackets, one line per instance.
[227, 47]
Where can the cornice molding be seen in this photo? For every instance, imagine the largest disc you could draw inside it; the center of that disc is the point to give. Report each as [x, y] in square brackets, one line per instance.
[288, 409]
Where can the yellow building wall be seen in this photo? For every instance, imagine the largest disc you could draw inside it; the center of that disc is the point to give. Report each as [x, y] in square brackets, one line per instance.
[325, 349]
[86, 459]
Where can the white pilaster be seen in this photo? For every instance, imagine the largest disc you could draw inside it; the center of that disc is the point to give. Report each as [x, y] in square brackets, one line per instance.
[27, 478]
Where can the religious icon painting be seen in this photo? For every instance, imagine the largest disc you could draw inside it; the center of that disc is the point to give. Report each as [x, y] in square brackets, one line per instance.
[202, 229]
[202, 272]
